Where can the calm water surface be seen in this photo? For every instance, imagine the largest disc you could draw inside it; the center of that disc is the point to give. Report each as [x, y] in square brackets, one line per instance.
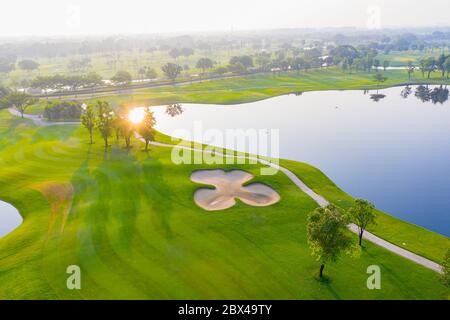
[394, 152]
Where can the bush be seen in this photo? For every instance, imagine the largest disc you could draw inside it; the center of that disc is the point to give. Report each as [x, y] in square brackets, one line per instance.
[62, 110]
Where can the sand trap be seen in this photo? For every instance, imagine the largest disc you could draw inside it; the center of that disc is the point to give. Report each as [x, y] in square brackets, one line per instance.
[229, 186]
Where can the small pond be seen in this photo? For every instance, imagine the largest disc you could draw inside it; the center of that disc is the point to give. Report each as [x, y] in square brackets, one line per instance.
[10, 218]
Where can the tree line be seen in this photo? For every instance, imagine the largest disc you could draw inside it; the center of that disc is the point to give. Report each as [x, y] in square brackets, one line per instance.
[109, 122]
[74, 82]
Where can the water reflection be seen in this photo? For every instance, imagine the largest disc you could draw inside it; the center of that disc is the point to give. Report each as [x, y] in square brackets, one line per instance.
[435, 95]
[406, 92]
[439, 94]
[174, 110]
[377, 97]
[423, 93]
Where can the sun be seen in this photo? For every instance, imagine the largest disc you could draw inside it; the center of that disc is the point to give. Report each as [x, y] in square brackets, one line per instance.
[136, 115]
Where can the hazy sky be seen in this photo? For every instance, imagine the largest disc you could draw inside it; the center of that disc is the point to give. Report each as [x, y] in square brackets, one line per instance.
[56, 17]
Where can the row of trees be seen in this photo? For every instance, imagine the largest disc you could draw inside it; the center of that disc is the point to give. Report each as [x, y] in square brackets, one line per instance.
[58, 81]
[348, 57]
[8, 64]
[430, 65]
[102, 117]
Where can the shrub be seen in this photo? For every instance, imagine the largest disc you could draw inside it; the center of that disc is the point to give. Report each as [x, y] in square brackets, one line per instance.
[62, 110]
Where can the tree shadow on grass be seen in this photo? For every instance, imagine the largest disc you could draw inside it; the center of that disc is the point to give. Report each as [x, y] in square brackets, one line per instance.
[106, 205]
[56, 133]
[327, 282]
[160, 193]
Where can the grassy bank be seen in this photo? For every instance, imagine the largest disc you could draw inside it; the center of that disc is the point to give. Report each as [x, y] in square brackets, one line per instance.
[127, 218]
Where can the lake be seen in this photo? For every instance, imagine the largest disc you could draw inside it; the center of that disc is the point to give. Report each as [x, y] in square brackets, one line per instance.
[10, 218]
[392, 148]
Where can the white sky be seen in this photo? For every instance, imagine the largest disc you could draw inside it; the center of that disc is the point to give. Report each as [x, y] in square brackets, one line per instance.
[59, 17]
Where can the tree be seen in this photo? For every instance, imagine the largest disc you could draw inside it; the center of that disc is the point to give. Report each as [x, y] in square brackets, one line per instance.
[440, 63]
[104, 120]
[344, 65]
[146, 127]
[150, 73]
[263, 60]
[447, 66]
[379, 78]
[88, 119]
[123, 125]
[175, 53]
[430, 65]
[237, 68]
[298, 63]
[28, 65]
[446, 269]
[410, 69]
[376, 64]
[328, 236]
[62, 110]
[122, 77]
[141, 72]
[204, 63]
[344, 52]
[92, 79]
[3, 91]
[7, 65]
[362, 214]
[18, 100]
[187, 52]
[221, 70]
[422, 67]
[385, 65]
[246, 61]
[171, 70]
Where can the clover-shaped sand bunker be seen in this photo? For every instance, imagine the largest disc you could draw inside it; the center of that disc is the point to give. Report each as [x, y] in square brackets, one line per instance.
[229, 185]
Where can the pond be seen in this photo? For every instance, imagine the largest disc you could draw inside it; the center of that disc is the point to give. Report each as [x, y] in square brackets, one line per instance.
[391, 147]
[10, 218]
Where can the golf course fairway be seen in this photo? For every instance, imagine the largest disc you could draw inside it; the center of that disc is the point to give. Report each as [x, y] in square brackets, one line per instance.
[127, 218]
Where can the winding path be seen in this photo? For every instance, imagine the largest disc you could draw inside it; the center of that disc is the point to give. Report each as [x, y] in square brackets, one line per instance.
[321, 201]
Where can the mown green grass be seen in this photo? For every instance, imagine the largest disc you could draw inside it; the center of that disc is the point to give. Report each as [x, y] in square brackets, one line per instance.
[135, 231]
[401, 58]
[257, 87]
[262, 86]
